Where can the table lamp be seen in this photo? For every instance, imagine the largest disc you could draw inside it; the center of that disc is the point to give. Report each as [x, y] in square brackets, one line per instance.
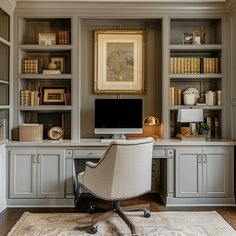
[151, 120]
[189, 116]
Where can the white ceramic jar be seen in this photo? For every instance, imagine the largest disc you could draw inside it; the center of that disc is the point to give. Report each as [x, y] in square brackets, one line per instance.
[189, 98]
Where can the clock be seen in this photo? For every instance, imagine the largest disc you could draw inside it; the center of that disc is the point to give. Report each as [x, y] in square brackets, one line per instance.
[55, 133]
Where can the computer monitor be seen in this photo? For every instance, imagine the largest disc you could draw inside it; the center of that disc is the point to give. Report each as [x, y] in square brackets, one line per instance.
[118, 116]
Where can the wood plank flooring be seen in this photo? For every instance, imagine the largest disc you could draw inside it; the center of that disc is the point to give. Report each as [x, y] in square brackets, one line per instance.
[9, 216]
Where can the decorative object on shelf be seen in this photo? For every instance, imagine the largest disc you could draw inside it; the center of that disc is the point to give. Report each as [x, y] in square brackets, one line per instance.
[210, 98]
[151, 128]
[55, 133]
[52, 66]
[203, 128]
[53, 95]
[30, 132]
[59, 62]
[219, 97]
[119, 61]
[191, 95]
[3, 128]
[187, 38]
[47, 39]
[63, 37]
[30, 66]
[191, 116]
[199, 37]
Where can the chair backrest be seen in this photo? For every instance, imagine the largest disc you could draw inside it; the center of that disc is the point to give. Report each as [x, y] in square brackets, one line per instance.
[127, 166]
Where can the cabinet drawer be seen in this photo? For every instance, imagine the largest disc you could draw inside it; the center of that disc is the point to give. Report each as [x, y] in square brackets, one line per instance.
[89, 152]
[159, 153]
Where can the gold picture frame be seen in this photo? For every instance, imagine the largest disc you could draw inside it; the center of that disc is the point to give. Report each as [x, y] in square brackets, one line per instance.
[47, 39]
[59, 61]
[53, 96]
[119, 61]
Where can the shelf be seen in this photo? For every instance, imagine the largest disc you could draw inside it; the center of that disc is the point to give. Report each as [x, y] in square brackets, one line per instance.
[194, 47]
[46, 108]
[197, 76]
[3, 82]
[36, 47]
[5, 41]
[4, 107]
[205, 107]
[42, 76]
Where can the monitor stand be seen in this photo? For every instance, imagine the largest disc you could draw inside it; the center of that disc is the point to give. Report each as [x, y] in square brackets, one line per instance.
[114, 138]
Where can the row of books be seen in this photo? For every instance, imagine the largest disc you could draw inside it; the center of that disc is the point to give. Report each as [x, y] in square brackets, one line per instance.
[175, 96]
[29, 98]
[194, 65]
[30, 66]
[213, 123]
[63, 37]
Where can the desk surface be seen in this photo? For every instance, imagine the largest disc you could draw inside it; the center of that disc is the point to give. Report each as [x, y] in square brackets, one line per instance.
[97, 143]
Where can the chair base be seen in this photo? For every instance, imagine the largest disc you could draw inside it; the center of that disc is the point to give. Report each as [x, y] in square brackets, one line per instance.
[120, 211]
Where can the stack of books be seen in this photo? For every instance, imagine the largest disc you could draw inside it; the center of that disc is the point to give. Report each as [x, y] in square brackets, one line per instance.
[213, 123]
[175, 96]
[29, 98]
[194, 65]
[63, 37]
[67, 98]
[30, 66]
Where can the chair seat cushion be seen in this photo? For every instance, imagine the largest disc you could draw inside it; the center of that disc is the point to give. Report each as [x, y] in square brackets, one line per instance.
[81, 177]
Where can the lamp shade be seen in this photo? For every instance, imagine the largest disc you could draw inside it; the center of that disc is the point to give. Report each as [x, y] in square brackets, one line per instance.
[190, 115]
[151, 120]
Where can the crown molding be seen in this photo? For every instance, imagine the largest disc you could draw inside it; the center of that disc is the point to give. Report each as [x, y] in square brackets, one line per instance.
[231, 5]
[8, 5]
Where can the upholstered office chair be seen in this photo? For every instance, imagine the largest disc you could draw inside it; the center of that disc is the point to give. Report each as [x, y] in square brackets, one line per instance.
[123, 172]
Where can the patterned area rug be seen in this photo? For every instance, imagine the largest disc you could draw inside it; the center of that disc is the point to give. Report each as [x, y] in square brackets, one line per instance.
[160, 224]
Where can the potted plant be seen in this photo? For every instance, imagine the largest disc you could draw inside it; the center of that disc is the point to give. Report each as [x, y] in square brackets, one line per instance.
[203, 128]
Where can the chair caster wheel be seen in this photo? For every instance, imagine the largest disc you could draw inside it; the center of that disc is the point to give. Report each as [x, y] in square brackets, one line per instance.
[147, 214]
[93, 230]
[90, 210]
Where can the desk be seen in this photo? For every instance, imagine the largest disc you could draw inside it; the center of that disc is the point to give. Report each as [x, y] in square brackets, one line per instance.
[191, 173]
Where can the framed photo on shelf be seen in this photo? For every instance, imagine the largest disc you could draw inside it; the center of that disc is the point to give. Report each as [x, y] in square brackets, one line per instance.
[47, 39]
[119, 61]
[199, 37]
[53, 96]
[187, 38]
[59, 62]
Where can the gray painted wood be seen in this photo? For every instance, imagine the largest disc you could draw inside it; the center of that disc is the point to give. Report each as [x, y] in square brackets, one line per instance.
[23, 170]
[189, 175]
[69, 162]
[50, 173]
[216, 175]
[2, 177]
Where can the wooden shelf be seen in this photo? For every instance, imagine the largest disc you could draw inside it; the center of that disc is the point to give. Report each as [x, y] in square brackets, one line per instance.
[205, 107]
[194, 47]
[2, 40]
[46, 77]
[46, 108]
[36, 47]
[4, 107]
[195, 76]
[4, 82]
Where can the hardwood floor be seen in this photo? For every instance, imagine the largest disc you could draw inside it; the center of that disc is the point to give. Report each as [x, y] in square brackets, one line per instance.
[9, 216]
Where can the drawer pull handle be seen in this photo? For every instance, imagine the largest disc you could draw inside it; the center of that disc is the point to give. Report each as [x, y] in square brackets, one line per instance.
[34, 158]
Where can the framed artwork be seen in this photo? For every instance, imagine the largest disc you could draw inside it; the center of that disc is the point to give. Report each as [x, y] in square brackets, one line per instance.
[119, 61]
[187, 38]
[59, 61]
[199, 37]
[53, 96]
[47, 39]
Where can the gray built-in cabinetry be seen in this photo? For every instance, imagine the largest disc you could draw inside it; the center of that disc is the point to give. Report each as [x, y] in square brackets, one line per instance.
[202, 172]
[37, 173]
[196, 66]
[5, 50]
[32, 103]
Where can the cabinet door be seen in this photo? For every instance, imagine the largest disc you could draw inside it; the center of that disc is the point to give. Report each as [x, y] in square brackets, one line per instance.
[51, 177]
[189, 172]
[216, 172]
[23, 169]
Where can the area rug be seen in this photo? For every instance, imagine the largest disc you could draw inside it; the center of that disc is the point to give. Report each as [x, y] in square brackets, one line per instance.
[160, 224]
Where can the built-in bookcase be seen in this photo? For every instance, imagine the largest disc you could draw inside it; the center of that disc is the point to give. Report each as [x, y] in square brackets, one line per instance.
[5, 47]
[198, 66]
[44, 93]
